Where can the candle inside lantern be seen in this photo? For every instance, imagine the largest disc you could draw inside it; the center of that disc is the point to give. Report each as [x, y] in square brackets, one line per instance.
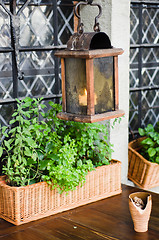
[83, 99]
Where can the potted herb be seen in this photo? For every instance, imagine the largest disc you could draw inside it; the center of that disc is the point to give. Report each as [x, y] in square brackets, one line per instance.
[53, 165]
[144, 158]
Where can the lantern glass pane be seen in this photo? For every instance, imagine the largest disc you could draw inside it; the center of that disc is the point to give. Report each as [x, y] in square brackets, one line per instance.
[75, 84]
[103, 84]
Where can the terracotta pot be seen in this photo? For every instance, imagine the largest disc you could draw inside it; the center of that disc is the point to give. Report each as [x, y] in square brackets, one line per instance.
[140, 216]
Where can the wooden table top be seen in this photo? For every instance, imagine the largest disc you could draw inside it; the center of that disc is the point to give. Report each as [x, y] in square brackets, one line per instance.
[106, 219]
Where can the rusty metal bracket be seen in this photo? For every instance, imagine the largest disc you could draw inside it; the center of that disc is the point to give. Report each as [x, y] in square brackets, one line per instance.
[80, 28]
[15, 28]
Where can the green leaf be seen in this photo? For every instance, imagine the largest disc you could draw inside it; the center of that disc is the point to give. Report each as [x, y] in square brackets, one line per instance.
[6, 143]
[17, 141]
[79, 163]
[157, 160]
[53, 157]
[40, 155]
[34, 156]
[18, 100]
[31, 142]
[12, 130]
[42, 106]
[43, 164]
[27, 114]
[147, 141]
[149, 128]
[14, 114]
[1, 151]
[141, 131]
[12, 121]
[30, 162]
[3, 130]
[9, 162]
[151, 152]
[27, 152]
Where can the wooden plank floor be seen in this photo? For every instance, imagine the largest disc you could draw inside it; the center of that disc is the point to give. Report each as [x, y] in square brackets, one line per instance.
[106, 219]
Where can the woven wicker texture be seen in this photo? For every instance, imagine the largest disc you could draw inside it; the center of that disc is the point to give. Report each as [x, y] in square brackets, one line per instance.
[139, 216]
[19, 205]
[143, 173]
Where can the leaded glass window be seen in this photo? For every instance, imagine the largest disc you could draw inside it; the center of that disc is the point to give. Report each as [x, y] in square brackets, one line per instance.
[144, 64]
[27, 44]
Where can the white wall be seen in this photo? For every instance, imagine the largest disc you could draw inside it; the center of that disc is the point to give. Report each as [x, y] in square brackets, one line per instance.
[115, 21]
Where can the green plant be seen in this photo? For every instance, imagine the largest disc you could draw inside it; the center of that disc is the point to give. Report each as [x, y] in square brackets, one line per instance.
[23, 143]
[150, 145]
[40, 147]
[84, 147]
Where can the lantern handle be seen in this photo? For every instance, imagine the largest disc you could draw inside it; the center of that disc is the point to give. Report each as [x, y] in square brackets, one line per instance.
[80, 25]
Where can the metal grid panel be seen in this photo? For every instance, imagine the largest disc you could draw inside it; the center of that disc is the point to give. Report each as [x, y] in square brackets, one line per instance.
[144, 64]
[44, 25]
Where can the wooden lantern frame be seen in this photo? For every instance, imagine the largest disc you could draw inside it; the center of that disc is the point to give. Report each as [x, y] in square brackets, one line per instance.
[89, 55]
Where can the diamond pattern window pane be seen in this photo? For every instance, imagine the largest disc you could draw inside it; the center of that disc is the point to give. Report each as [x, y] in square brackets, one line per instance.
[6, 88]
[133, 76]
[150, 77]
[150, 116]
[37, 60]
[134, 25]
[134, 56]
[133, 119]
[36, 24]
[150, 55]
[5, 38]
[150, 99]
[39, 74]
[149, 112]
[5, 62]
[6, 84]
[150, 25]
[133, 101]
[65, 18]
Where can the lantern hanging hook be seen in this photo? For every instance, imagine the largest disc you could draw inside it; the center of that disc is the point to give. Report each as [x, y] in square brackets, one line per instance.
[96, 27]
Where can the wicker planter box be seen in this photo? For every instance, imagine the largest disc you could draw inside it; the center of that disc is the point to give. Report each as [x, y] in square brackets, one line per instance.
[143, 173]
[20, 205]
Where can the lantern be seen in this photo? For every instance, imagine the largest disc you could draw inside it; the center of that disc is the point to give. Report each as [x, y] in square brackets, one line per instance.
[89, 72]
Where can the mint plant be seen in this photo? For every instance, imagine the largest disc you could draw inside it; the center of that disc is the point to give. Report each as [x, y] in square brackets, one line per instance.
[150, 145]
[23, 143]
[40, 147]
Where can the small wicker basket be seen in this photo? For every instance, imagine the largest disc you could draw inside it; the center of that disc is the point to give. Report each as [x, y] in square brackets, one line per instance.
[20, 205]
[142, 172]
